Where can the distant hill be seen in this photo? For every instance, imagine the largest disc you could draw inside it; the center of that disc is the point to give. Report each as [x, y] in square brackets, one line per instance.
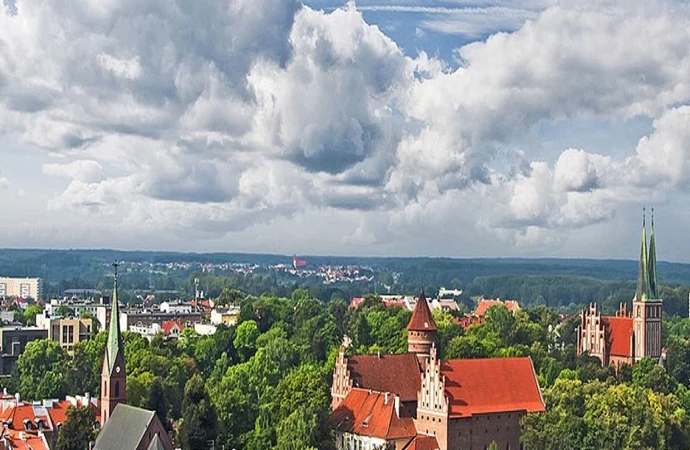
[559, 283]
[52, 264]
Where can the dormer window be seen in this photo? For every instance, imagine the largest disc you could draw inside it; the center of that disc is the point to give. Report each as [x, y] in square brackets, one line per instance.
[27, 424]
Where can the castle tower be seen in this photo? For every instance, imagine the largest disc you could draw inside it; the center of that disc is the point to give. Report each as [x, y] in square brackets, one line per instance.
[421, 330]
[646, 304]
[113, 373]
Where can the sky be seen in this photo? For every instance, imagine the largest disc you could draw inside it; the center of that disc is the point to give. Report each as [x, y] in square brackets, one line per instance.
[476, 128]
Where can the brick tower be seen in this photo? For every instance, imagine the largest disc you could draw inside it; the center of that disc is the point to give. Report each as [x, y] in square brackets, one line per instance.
[113, 373]
[421, 331]
[647, 305]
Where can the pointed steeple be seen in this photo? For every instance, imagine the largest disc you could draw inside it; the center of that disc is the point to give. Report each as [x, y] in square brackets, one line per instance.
[651, 264]
[421, 319]
[642, 293]
[114, 343]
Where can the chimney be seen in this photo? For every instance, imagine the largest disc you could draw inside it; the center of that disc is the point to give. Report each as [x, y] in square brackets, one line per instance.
[385, 401]
[18, 398]
[397, 405]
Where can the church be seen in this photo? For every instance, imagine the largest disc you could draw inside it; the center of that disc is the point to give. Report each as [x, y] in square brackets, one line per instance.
[124, 427]
[417, 401]
[628, 336]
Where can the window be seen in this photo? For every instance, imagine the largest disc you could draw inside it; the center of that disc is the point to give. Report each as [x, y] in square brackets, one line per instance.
[117, 389]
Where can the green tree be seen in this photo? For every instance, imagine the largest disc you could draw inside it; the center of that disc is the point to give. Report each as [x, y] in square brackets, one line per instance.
[77, 431]
[198, 416]
[245, 339]
[64, 311]
[30, 313]
[41, 371]
[647, 373]
[297, 431]
[156, 400]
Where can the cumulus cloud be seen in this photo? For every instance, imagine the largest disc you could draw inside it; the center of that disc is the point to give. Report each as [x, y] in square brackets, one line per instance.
[224, 116]
[88, 171]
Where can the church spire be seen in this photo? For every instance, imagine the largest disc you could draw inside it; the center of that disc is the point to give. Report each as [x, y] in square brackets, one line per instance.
[114, 344]
[642, 293]
[113, 372]
[651, 265]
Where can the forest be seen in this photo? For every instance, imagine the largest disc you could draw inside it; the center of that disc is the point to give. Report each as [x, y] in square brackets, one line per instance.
[561, 284]
[265, 383]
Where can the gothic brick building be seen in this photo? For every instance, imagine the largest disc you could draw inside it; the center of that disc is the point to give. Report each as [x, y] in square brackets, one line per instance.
[416, 401]
[628, 336]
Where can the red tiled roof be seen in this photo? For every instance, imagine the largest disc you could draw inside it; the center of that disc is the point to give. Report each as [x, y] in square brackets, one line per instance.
[421, 319]
[466, 321]
[399, 374]
[355, 302]
[619, 331]
[367, 413]
[23, 441]
[495, 385]
[422, 442]
[168, 325]
[485, 304]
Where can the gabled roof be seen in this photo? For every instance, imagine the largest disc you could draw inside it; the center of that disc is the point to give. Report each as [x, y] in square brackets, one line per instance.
[367, 413]
[493, 385]
[399, 374]
[618, 332]
[168, 325]
[423, 442]
[125, 429]
[156, 443]
[485, 304]
[421, 319]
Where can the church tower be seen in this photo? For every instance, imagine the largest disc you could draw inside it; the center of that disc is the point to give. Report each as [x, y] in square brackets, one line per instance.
[113, 374]
[421, 330]
[647, 304]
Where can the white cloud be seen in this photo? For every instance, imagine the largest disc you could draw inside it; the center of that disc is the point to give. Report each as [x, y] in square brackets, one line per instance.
[228, 116]
[88, 171]
[4, 183]
[124, 68]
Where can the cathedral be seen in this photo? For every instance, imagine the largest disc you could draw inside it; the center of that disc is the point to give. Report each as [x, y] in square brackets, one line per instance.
[417, 401]
[628, 336]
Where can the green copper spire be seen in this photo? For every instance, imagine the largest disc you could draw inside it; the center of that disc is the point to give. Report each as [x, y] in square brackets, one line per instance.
[114, 344]
[651, 265]
[642, 293]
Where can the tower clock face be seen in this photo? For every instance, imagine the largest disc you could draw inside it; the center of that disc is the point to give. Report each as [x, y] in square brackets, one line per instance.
[117, 369]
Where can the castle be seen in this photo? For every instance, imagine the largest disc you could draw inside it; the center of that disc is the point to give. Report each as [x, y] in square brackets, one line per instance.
[628, 336]
[416, 401]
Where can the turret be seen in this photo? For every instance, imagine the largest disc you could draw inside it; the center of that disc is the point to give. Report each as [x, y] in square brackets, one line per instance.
[421, 330]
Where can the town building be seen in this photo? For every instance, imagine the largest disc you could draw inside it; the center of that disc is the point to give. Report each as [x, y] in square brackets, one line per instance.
[21, 287]
[35, 425]
[628, 336]
[409, 302]
[13, 341]
[418, 401]
[226, 316]
[484, 304]
[175, 308]
[67, 331]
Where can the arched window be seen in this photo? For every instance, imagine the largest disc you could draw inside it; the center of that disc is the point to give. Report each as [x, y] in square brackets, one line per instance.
[639, 311]
[117, 389]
